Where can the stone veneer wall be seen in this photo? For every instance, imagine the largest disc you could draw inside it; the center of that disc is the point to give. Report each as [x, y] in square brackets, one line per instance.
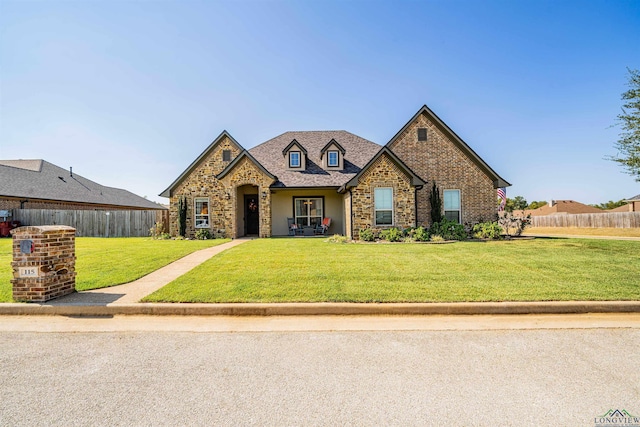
[247, 173]
[202, 182]
[383, 173]
[53, 259]
[439, 159]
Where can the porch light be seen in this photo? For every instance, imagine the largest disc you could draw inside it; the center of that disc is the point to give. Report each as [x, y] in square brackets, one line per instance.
[264, 194]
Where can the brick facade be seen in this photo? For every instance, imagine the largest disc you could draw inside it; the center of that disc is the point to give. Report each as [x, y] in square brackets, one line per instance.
[248, 173]
[222, 194]
[52, 260]
[439, 159]
[202, 182]
[382, 173]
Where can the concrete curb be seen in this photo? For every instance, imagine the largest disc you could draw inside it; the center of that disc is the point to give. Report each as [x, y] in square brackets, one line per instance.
[313, 309]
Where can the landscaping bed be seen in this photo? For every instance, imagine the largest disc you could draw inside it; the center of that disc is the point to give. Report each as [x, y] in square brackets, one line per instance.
[106, 262]
[312, 270]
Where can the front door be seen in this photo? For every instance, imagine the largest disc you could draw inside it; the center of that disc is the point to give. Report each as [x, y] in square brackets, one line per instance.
[251, 214]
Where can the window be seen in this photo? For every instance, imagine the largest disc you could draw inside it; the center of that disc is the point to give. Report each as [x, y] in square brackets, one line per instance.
[202, 213]
[308, 211]
[226, 155]
[332, 159]
[294, 159]
[383, 201]
[452, 205]
[422, 134]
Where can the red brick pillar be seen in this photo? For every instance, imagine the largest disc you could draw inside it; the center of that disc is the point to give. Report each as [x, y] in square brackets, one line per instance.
[44, 259]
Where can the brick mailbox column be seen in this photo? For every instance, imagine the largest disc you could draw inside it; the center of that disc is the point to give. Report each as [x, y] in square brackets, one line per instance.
[44, 259]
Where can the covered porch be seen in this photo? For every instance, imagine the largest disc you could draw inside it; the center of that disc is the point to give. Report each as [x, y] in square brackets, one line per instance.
[306, 208]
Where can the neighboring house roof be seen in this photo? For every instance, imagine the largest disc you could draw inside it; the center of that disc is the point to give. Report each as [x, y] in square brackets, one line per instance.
[39, 179]
[497, 180]
[415, 179]
[564, 207]
[358, 152]
[634, 199]
[196, 162]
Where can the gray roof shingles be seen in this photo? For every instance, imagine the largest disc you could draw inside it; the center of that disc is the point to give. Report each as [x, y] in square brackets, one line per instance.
[39, 179]
[358, 151]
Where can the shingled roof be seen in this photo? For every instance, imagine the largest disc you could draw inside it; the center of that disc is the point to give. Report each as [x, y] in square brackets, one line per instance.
[358, 151]
[40, 180]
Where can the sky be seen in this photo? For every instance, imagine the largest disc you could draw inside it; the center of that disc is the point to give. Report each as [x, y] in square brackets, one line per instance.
[129, 93]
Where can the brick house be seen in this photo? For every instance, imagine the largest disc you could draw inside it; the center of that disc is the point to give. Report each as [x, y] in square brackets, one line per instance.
[303, 177]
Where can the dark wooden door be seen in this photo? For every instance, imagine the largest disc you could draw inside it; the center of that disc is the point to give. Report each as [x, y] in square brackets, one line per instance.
[251, 214]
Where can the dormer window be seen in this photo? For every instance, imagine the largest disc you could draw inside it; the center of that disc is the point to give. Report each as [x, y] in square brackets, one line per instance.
[333, 159]
[294, 159]
[295, 156]
[332, 156]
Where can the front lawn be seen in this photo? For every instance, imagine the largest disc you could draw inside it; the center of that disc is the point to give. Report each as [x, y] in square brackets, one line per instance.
[311, 270]
[107, 262]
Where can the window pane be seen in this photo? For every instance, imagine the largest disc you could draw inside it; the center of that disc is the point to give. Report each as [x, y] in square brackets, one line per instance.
[294, 159]
[315, 208]
[384, 218]
[301, 208]
[451, 200]
[333, 158]
[383, 198]
[452, 215]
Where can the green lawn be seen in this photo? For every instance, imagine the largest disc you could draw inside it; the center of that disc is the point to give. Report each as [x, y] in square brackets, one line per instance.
[290, 270]
[107, 262]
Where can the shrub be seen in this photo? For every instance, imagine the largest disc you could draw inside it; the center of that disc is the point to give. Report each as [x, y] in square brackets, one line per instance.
[367, 235]
[157, 231]
[391, 235]
[421, 234]
[437, 238]
[448, 230]
[204, 234]
[436, 204]
[337, 238]
[514, 224]
[487, 230]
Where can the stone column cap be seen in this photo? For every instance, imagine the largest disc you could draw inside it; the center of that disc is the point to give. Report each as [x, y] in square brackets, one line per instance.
[41, 229]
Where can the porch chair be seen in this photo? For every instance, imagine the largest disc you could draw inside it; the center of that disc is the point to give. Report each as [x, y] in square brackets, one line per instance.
[293, 227]
[324, 226]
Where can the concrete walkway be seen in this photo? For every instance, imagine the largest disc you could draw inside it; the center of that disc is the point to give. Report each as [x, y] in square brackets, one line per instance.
[134, 291]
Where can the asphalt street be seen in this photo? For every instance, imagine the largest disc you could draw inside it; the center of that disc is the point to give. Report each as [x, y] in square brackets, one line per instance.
[532, 375]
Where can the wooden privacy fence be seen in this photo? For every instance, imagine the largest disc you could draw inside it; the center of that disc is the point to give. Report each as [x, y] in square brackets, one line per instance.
[89, 223]
[592, 220]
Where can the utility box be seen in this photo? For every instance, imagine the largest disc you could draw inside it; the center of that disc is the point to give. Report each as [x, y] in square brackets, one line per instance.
[44, 262]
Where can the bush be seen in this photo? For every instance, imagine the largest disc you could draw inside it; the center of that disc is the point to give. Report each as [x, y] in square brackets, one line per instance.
[204, 234]
[448, 230]
[437, 238]
[487, 230]
[421, 234]
[337, 238]
[367, 235]
[514, 224]
[391, 235]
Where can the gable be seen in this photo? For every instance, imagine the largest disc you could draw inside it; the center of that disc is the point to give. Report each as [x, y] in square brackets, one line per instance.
[212, 161]
[440, 142]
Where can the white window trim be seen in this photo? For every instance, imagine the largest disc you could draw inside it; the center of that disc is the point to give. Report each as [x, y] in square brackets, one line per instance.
[375, 211]
[197, 216]
[444, 211]
[337, 164]
[291, 165]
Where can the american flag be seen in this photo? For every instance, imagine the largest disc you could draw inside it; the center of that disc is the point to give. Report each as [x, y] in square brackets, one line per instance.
[502, 195]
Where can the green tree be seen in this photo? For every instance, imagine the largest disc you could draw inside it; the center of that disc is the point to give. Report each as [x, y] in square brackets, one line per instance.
[628, 144]
[536, 205]
[517, 203]
[610, 204]
[436, 204]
